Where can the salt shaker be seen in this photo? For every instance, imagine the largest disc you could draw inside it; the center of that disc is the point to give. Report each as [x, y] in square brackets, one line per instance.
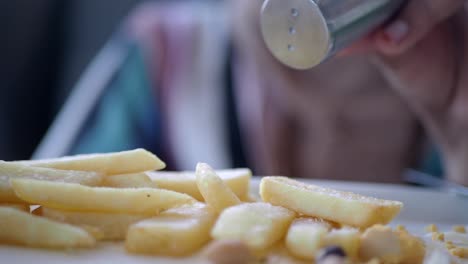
[304, 33]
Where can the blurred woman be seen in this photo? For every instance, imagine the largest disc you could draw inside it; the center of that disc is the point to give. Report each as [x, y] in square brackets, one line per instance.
[362, 116]
[211, 91]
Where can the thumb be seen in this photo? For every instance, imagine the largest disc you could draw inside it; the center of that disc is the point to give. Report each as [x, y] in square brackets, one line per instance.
[416, 20]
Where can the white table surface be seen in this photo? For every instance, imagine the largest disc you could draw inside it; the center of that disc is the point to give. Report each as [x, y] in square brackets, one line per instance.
[421, 207]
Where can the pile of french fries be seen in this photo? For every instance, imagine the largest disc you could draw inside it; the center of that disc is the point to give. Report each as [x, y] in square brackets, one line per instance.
[76, 201]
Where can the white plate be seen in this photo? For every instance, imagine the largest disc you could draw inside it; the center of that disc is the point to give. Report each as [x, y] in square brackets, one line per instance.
[422, 207]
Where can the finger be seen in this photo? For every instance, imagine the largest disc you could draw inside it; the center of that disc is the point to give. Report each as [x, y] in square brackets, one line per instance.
[416, 20]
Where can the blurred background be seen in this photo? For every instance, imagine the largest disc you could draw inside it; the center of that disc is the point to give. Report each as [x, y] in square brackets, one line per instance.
[123, 74]
[110, 77]
[45, 47]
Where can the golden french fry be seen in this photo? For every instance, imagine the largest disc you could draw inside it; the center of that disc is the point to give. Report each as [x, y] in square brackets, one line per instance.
[391, 246]
[337, 206]
[228, 251]
[347, 238]
[305, 237]
[280, 254]
[68, 196]
[9, 170]
[413, 248]
[259, 225]
[214, 191]
[7, 195]
[95, 232]
[176, 232]
[18, 206]
[112, 226]
[16, 170]
[124, 162]
[133, 180]
[238, 181]
[17, 227]
[382, 243]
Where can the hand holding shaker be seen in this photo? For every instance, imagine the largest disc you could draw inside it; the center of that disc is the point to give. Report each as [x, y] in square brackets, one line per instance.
[304, 33]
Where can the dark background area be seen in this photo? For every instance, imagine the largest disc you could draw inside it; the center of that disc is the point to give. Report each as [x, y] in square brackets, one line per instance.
[45, 47]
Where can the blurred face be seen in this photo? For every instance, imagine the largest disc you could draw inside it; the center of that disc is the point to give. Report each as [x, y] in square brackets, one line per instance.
[340, 120]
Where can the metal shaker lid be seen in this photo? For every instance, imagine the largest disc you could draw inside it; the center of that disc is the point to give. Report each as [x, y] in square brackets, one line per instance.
[296, 32]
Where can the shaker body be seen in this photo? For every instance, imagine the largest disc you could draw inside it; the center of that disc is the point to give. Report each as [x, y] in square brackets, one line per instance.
[304, 33]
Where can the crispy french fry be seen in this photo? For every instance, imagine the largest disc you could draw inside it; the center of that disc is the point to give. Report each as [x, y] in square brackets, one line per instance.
[9, 170]
[305, 237]
[18, 206]
[341, 207]
[16, 170]
[238, 181]
[7, 195]
[112, 226]
[133, 180]
[347, 238]
[124, 162]
[259, 225]
[381, 242]
[280, 254]
[95, 232]
[176, 232]
[228, 251]
[413, 248]
[17, 227]
[68, 196]
[391, 246]
[215, 192]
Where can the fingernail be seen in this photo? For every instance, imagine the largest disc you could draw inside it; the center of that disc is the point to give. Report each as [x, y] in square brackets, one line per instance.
[396, 32]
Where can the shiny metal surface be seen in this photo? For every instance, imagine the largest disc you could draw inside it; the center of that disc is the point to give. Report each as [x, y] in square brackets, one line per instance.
[295, 32]
[304, 33]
